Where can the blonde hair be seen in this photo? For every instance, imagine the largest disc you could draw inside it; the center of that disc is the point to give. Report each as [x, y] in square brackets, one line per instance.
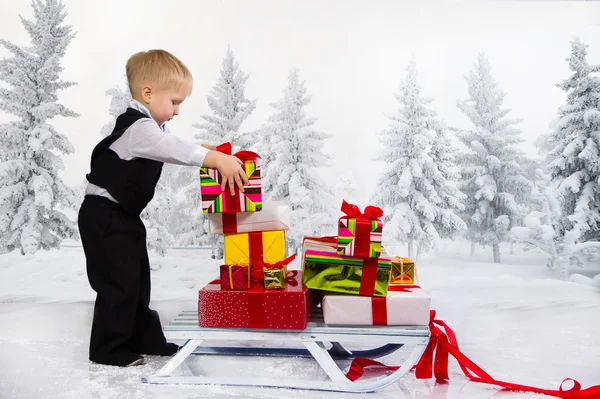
[158, 68]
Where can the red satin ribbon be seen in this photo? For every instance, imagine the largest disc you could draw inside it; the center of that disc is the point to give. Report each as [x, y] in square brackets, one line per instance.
[368, 277]
[229, 222]
[225, 148]
[379, 310]
[402, 288]
[255, 249]
[371, 212]
[276, 265]
[443, 343]
[327, 239]
[362, 237]
[255, 307]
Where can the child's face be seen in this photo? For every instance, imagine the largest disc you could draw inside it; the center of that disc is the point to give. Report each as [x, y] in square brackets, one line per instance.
[164, 104]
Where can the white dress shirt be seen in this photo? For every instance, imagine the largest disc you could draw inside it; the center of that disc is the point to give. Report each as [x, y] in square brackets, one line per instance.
[146, 139]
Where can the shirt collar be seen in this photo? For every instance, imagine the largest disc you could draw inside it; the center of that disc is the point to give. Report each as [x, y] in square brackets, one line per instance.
[135, 104]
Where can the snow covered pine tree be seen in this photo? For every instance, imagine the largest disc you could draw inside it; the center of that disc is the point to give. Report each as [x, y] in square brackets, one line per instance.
[573, 155]
[418, 191]
[494, 177]
[293, 174]
[32, 191]
[230, 109]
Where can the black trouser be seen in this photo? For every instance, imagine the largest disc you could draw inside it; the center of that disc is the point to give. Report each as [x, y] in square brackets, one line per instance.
[118, 270]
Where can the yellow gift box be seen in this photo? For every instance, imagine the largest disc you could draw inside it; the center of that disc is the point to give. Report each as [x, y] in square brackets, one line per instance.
[254, 247]
[403, 271]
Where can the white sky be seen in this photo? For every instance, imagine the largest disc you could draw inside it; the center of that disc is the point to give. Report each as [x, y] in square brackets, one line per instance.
[352, 55]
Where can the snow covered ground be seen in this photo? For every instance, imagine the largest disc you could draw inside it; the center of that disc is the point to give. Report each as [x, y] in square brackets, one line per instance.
[515, 320]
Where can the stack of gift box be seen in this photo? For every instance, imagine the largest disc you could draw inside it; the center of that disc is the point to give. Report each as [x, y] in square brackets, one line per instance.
[359, 283]
[254, 288]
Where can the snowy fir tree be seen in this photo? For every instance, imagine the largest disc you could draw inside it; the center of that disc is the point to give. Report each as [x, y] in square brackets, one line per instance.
[573, 158]
[347, 188]
[31, 190]
[294, 171]
[538, 231]
[493, 168]
[230, 108]
[264, 146]
[119, 101]
[418, 190]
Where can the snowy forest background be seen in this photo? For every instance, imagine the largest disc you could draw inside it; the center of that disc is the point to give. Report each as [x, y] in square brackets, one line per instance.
[478, 181]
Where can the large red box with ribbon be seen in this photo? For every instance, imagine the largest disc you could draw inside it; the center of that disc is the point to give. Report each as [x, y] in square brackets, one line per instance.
[214, 200]
[286, 309]
[359, 233]
[406, 305]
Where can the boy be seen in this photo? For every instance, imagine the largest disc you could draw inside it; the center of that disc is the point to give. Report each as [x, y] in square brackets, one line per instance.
[125, 168]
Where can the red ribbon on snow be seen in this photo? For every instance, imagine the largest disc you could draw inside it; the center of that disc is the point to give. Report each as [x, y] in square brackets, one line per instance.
[434, 361]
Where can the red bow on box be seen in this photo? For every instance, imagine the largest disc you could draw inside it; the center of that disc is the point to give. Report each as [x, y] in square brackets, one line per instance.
[371, 212]
[225, 148]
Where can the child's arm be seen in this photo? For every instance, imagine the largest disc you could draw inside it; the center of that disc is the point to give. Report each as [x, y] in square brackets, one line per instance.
[146, 140]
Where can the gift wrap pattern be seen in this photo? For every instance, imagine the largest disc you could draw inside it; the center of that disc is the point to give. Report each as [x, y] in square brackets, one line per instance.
[348, 230]
[214, 200]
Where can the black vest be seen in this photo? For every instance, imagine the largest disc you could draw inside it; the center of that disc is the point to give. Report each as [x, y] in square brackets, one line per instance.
[131, 182]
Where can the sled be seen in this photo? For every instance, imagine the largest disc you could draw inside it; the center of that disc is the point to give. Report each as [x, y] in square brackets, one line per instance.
[318, 341]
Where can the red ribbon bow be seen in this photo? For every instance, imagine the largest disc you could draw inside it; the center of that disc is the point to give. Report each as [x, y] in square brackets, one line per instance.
[371, 212]
[443, 343]
[276, 265]
[225, 148]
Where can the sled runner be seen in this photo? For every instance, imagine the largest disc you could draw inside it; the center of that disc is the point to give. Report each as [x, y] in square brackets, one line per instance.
[323, 343]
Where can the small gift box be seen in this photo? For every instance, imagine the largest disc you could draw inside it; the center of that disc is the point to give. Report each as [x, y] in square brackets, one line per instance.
[215, 200]
[275, 274]
[403, 271]
[359, 233]
[235, 277]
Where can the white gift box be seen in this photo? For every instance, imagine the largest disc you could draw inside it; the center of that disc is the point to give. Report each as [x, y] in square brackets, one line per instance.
[274, 215]
[410, 308]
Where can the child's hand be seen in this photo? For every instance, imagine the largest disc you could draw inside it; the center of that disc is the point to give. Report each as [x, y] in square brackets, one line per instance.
[210, 147]
[232, 172]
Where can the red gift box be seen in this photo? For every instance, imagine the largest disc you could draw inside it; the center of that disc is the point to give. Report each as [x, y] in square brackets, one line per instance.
[235, 277]
[286, 309]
